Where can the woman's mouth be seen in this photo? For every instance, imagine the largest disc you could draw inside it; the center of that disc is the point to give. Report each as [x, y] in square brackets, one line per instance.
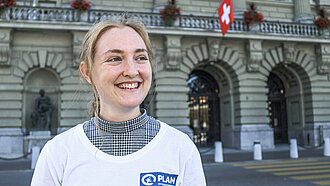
[128, 85]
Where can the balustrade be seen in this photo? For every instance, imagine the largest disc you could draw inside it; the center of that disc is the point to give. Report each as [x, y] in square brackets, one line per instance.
[39, 14]
[20, 13]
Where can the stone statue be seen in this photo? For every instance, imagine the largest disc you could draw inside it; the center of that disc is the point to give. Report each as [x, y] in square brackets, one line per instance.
[42, 115]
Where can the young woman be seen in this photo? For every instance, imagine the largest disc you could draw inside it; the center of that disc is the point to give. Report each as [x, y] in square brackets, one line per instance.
[120, 144]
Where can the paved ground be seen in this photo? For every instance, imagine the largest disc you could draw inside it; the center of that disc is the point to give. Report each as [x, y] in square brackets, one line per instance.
[288, 172]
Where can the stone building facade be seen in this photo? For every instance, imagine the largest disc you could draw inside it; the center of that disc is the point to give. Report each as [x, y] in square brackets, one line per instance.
[40, 42]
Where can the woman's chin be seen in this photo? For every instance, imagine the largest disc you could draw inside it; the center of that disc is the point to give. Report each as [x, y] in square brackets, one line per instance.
[131, 105]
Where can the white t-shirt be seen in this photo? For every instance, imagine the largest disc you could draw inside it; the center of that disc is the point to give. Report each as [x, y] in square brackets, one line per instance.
[70, 159]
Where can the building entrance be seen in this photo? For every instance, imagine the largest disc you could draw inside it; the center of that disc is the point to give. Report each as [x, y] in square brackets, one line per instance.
[277, 108]
[204, 109]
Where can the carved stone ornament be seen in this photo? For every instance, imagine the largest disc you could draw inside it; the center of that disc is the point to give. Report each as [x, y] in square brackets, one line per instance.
[76, 56]
[213, 46]
[323, 58]
[173, 59]
[173, 52]
[76, 47]
[289, 52]
[255, 56]
[5, 47]
[4, 55]
[159, 58]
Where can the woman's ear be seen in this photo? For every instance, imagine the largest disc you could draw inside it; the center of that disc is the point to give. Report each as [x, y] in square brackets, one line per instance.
[84, 71]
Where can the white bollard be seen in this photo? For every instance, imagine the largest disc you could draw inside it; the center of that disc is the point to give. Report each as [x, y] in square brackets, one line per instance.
[35, 155]
[218, 153]
[257, 154]
[326, 149]
[293, 148]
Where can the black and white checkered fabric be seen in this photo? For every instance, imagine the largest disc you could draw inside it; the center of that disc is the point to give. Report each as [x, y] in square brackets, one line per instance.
[122, 138]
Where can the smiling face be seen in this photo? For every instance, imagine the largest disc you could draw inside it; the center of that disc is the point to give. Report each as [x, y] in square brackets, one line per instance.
[121, 71]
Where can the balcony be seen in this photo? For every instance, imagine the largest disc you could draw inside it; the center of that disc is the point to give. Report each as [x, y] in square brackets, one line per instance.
[69, 16]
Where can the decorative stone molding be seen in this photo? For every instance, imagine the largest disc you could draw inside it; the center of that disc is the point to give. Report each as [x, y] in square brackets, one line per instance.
[173, 52]
[213, 49]
[5, 39]
[323, 58]
[254, 55]
[289, 52]
[78, 38]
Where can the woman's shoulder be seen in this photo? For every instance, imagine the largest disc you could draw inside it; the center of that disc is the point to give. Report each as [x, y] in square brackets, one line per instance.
[178, 141]
[175, 133]
[67, 136]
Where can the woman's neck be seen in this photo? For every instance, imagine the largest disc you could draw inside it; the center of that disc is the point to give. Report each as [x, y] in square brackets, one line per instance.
[117, 115]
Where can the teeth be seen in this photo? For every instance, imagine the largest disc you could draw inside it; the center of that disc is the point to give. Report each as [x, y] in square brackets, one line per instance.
[128, 85]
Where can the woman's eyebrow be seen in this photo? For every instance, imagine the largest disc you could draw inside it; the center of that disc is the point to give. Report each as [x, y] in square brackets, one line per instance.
[121, 51]
[141, 50]
[113, 51]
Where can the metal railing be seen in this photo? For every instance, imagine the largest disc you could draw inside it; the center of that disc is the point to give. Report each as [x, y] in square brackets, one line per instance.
[69, 15]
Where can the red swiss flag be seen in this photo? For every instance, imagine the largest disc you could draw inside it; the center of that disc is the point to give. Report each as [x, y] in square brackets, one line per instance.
[226, 15]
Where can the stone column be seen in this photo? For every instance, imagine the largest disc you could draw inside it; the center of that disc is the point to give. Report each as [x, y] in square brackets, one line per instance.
[302, 11]
[239, 8]
[58, 3]
[171, 98]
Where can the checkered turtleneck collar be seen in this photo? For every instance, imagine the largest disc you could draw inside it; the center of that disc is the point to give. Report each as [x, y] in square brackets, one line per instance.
[125, 126]
[122, 138]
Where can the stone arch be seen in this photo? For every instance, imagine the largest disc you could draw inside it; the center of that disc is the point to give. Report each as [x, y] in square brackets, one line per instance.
[223, 63]
[295, 69]
[276, 56]
[42, 59]
[200, 53]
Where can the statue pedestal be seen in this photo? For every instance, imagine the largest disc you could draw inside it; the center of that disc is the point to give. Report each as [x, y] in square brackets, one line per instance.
[36, 138]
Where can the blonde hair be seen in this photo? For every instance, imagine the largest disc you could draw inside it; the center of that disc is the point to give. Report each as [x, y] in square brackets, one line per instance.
[89, 49]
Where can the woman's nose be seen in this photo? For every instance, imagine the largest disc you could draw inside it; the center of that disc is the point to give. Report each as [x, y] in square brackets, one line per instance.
[130, 69]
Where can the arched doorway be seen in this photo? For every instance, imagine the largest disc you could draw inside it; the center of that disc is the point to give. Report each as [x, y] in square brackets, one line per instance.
[35, 80]
[204, 109]
[277, 108]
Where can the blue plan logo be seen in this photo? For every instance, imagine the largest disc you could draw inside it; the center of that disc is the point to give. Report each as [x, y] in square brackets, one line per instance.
[157, 179]
[148, 179]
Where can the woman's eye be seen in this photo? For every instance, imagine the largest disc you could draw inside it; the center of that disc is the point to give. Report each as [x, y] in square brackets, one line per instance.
[142, 58]
[115, 59]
